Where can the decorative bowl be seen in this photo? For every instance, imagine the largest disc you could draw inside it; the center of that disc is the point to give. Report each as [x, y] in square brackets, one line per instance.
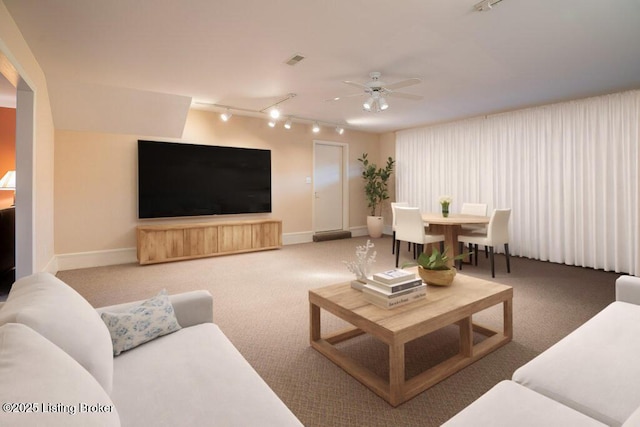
[437, 277]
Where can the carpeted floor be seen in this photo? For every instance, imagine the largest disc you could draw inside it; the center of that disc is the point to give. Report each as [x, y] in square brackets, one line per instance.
[260, 302]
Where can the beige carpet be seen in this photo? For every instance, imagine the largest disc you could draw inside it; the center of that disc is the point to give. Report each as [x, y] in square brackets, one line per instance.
[260, 302]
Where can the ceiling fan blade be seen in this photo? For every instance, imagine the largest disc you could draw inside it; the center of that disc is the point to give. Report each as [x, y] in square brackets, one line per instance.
[338, 98]
[356, 84]
[403, 83]
[404, 95]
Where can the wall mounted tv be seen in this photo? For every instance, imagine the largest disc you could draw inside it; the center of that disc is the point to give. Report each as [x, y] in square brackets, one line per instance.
[176, 179]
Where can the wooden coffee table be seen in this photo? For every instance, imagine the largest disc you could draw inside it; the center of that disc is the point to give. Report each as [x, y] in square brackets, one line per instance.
[443, 306]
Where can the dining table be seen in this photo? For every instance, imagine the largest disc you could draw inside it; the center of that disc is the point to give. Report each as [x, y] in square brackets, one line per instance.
[450, 226]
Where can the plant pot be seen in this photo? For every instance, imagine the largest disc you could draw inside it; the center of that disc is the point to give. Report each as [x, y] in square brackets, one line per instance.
[375, 224]
[437, 277]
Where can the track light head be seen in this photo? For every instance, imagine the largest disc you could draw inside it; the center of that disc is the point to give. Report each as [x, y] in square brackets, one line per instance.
[316, 127]
[287, 124]
[340, 130]
[272, 123]
[274, 113]
[226, 115]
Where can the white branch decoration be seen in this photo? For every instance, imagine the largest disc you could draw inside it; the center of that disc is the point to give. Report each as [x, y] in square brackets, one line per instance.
[361, 267]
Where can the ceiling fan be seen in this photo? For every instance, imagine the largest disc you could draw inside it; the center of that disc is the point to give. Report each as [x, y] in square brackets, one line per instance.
[377, 91]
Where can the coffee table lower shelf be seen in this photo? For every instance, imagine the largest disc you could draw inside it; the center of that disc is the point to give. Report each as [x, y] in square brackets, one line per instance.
[396, 389]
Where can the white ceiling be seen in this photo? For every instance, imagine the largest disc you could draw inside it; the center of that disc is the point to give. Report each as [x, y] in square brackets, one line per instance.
[232, 52]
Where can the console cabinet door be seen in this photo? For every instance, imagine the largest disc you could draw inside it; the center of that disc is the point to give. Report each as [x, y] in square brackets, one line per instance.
[267, 235]
[200, 242]
[234, 238]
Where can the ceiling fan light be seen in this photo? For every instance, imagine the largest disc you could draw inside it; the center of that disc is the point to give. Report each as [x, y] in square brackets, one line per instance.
[274, 113]
[368, 104]
[316, 127]
[383, 104]
[287, 124]
[226, 115]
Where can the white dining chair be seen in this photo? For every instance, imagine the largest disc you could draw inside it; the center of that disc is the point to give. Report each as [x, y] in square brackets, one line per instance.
[479, 209]
[393, 222]
[410, 228]
[497, 234]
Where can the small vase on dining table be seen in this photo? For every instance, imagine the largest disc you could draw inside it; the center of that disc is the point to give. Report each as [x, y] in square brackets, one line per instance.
[445, 210]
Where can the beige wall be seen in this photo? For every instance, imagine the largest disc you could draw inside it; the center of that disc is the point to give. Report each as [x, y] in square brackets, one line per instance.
[16, 50]
[95, 178]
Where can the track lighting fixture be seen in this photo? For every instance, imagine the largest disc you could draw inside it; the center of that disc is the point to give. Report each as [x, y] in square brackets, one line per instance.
[226, 115]
[274, 113]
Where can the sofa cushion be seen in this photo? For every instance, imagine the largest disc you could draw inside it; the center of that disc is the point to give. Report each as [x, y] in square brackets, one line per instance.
[56, 311]
[595, 368]
[192, 375]
[41, 385]
[141, 323]
[509, 404]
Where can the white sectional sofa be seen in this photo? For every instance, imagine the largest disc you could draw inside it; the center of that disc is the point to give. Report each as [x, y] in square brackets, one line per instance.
[589, 378]
[57, 367]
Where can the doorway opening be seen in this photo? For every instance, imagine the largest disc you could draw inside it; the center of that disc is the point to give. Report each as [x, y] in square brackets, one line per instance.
[24, 158]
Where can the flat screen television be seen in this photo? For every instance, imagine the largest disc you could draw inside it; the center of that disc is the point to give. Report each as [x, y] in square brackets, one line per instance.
[176, 179]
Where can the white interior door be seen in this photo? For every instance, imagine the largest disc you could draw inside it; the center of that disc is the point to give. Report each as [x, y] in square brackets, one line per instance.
[329, 188]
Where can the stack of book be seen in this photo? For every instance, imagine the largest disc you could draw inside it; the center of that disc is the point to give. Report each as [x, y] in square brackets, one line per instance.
[393, 288]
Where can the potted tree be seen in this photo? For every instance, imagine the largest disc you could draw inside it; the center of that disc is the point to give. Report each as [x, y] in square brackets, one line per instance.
[434, 269]
[376, 190]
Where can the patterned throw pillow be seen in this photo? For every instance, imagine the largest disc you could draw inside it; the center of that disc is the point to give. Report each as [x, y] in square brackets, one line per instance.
[140, 324]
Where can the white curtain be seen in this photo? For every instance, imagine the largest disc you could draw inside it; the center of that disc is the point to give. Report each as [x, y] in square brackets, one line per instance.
[568, 171]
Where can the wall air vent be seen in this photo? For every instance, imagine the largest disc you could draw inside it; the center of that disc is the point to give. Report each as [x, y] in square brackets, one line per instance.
[294, 59]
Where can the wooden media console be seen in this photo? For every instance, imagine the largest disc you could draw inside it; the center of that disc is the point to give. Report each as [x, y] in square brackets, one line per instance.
[175, 242]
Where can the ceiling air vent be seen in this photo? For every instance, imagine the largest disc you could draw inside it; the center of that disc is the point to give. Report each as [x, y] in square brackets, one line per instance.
[294, 59]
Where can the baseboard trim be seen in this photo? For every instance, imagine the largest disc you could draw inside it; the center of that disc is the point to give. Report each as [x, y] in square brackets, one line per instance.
[359, 231]
[52, 266]
[77, 260]
[297, 238]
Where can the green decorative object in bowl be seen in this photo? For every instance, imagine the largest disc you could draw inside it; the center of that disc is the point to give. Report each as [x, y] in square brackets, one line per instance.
[437, 277]
[434, 269]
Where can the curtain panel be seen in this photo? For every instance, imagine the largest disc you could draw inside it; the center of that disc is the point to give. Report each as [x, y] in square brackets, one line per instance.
[568, 171]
